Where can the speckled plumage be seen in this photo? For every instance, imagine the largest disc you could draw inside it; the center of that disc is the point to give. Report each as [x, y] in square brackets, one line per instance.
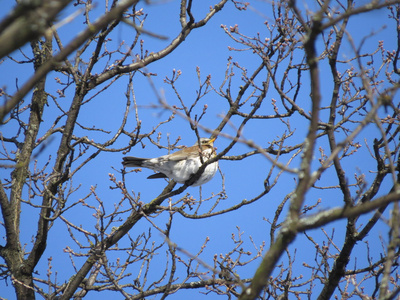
[180, 165]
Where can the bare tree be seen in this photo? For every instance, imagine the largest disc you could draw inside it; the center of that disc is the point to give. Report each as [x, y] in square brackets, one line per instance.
[304, 96]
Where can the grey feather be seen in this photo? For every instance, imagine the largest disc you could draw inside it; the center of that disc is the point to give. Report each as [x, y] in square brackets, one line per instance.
[131, 161]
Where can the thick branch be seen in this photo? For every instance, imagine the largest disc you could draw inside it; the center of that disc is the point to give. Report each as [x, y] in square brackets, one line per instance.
[120, 232]
[113, 14]
[28, 22]
[157, 55]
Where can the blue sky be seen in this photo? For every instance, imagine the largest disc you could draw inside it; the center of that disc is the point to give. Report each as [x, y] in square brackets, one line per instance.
[206, 48]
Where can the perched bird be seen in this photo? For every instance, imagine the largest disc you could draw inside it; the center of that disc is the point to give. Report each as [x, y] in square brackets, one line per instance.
[180, 165]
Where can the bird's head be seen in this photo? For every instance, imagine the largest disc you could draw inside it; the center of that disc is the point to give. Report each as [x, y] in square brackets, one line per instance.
[206, 142]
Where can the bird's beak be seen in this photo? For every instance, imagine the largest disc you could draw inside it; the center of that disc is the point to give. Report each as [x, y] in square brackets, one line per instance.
[212, 140]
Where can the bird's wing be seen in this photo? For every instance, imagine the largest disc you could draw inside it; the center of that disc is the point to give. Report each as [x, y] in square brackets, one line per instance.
[186, 153]
[157, 175]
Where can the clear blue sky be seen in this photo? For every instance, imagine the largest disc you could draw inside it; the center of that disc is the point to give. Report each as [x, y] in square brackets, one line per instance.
[206, 48]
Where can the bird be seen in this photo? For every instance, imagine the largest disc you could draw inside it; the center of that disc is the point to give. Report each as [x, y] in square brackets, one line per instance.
[180, 165]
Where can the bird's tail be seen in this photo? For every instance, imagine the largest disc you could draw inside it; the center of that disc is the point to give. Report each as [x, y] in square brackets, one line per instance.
[131, 161]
